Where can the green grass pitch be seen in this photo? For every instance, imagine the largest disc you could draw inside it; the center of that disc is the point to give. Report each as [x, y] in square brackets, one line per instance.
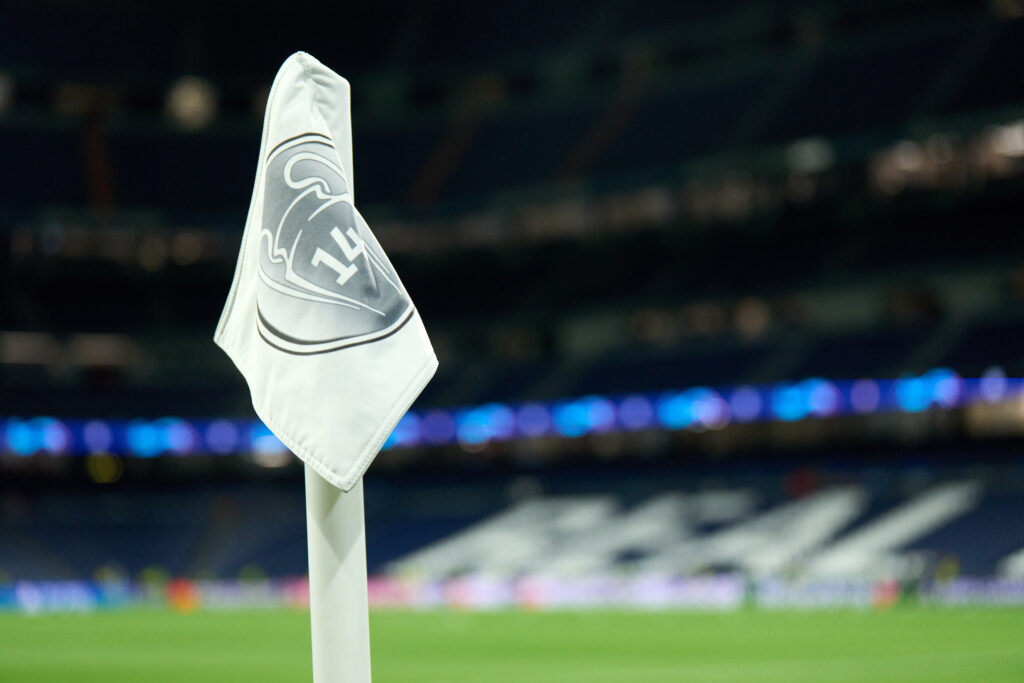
[903, 644]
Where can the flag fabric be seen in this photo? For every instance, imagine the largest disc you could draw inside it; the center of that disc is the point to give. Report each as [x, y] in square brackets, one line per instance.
[317, 319]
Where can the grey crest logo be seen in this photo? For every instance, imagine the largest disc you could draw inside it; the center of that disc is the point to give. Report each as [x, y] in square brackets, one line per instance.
[324, 282]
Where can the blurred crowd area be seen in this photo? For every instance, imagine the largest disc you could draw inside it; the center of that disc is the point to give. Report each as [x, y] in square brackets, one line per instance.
[640, 196]
[921, 524]
[583, 198]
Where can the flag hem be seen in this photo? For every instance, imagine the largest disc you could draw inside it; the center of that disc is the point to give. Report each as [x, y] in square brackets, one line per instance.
[345, 481]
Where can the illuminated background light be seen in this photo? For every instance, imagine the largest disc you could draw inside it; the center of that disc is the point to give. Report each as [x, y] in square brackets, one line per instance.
[192, 102]
[993, 384]
[823, 397]
[704, 409]
[438, 427]
[143, 439]
[571, 418]
[913, 394]
[22, 438]
[712, 411]
[262, 441]
[745, 403]
[675, 411]
[405, 433]
[789, 402]
[54, 435]
[533, 420]
[600, 413]
[104, 468]
[178, 436]
[947, 387]
[636, 412]
[865, 395]
[474, 426]
[222, 436]
[471, 427]
[501, 420]
[97, 436]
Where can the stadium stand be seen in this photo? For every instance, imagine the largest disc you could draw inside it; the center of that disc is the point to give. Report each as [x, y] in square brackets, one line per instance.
[219, 531]
[636, 197]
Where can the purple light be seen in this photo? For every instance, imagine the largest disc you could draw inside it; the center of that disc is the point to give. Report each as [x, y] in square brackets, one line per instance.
[698, 407]
[993, 384]
[712, 411]
[707, 408]
[222, 436]
[180, 437]
[600, 413]
[502, 421]
[947, 387]
[636, 412]
[534, 420]
[865, 396]
[438, 427]
[745, 403]
[56, 435]
[97, 436]
[822, 397]
[479, 425]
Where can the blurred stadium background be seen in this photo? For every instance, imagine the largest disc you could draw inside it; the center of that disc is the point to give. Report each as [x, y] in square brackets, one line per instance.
[728, 299]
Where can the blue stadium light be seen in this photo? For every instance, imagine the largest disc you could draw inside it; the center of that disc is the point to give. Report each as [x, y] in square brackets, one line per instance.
[263, 442]
[97, 436]
[500, 420]
[695, 408]
[54, 435]
[22, 437]
[144, 440]
[472, 426]
[600, 413]
[789, 402]
[636, 412]
[438, 427]
[179, 437]
[947, 387]
[571, 418]
[823, 397]
[406, 432]
[745, 403]
[675, 410]
[222, 436]
[710, 409]
[914, 394]
[865, 396]
[993, 384]
[533, 419]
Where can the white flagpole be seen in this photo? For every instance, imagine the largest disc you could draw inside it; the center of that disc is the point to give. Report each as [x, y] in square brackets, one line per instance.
[338, 610]
[335, 527]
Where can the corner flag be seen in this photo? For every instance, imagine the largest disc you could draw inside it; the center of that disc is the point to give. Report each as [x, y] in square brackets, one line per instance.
[328, 339]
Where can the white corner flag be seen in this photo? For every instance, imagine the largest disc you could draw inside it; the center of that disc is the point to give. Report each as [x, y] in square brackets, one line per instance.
[327, 338]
